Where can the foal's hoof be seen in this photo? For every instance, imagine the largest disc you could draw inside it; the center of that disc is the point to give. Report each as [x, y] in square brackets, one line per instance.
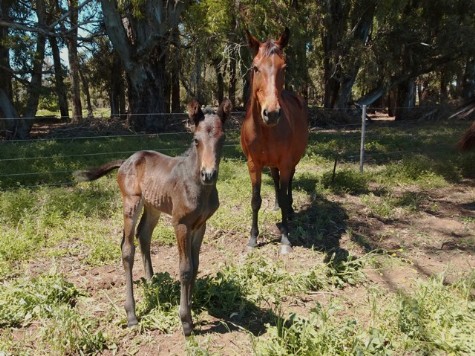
[132, 322]
[285, 249]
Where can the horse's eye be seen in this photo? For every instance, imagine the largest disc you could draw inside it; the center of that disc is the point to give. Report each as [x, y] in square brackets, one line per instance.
[255, 69]
[195, 141]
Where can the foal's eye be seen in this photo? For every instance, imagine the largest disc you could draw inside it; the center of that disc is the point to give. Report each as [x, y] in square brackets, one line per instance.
[255, 69]
[195, 141]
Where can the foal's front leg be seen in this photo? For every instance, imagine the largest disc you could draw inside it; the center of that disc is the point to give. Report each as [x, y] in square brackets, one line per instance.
[184, 243]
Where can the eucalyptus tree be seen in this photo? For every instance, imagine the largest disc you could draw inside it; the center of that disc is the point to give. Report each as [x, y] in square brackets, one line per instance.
[413, 38]
[140, 32]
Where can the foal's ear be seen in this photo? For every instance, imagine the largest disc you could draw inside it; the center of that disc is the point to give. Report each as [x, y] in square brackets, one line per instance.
[225, 109]
[283, 39]
[253, 42]
[194, 111]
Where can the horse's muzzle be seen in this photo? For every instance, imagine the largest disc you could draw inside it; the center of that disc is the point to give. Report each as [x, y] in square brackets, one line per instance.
[209, 176]
[271, 118]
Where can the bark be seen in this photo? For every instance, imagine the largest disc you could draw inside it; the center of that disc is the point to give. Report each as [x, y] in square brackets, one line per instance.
[334, 28]
[117, 88]
[468, 86]
[175, 75]
[8, 113]
[87, 94]
[71, 41]
[406, 95]
[142, 45]
[361, 32]
[34, 89]
[220, 80]
[59, 79]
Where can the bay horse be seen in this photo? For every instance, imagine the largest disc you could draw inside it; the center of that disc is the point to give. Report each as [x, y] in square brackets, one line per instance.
[183, 187]
[274, 132]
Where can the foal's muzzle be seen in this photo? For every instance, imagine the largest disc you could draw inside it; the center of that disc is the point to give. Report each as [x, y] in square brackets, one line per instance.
[209, 176]
[271, 118]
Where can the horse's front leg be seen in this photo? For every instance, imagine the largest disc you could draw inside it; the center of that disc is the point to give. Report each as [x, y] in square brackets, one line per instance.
[284, 203]
[184, 243]
[256, 201]
[276, 178]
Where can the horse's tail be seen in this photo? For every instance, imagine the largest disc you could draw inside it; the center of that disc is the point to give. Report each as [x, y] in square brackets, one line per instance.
[97, 172]
[467, 141]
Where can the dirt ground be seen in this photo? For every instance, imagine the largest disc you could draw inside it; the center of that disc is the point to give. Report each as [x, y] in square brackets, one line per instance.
[440, 238]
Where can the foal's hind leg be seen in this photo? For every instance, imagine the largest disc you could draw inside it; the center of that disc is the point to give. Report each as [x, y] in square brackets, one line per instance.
[132, 208]
[144, 234]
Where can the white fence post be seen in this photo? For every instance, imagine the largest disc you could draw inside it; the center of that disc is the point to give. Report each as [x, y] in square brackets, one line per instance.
[363, 134]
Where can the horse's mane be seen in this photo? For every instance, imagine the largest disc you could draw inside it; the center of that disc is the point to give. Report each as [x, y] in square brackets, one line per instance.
[270, 48]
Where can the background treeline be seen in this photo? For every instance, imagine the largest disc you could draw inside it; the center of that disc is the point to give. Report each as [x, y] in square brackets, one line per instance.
[142, 57]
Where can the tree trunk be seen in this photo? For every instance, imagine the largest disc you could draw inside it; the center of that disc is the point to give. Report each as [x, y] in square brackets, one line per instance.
[334, 28]
[34, 88]
[468, 91]
[117, 88]
[175, 74]
[219, 79]
[405, 99]
[87, 94]
[361, 32]
[142, 42]
[232, 79]
[59, 79]
[147, 94]
[71, 40]
[8, 114]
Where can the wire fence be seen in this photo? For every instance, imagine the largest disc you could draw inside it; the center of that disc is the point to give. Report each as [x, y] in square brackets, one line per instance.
[37, 162]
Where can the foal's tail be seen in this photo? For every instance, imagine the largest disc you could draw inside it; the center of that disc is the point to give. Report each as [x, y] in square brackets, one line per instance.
[467, 141]
[97, 172]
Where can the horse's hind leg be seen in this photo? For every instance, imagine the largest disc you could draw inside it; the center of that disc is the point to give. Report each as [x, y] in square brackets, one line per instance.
[144, 234]
[289, 190]
[132, 208]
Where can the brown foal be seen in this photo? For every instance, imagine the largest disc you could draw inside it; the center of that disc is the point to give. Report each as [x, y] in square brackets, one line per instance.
[183, 187]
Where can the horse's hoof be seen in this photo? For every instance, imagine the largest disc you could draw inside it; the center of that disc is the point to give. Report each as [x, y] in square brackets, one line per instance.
[250, 248]
[187, 329]
[285, 249]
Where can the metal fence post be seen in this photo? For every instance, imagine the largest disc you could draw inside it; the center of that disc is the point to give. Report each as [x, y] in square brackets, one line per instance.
[363, 134]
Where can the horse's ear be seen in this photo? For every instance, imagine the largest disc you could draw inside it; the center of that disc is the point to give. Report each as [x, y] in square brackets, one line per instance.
[225, 109]
[284, 38]
[253, 42]
[194, 111]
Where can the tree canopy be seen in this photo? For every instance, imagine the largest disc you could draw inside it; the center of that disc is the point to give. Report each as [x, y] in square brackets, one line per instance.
[141, 58]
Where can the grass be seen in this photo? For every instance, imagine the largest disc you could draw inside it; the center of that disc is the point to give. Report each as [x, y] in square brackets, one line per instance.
[46, 217]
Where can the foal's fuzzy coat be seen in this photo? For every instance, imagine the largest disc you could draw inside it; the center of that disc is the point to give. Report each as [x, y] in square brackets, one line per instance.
[183, 187]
